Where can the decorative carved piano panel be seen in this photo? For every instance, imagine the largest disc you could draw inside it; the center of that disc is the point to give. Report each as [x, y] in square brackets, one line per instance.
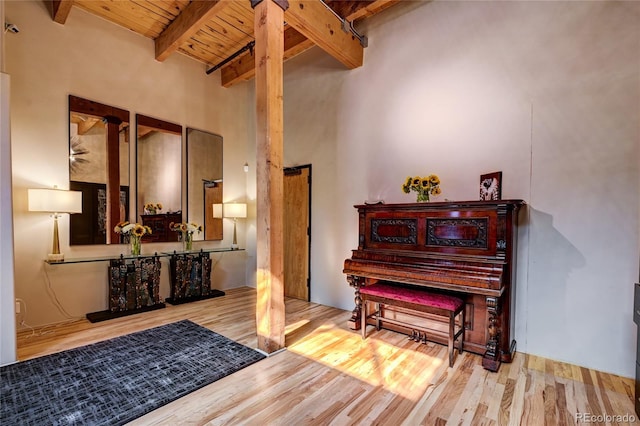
[464, 248]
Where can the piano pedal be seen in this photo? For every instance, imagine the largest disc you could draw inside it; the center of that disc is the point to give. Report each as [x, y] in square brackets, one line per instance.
[412, 336]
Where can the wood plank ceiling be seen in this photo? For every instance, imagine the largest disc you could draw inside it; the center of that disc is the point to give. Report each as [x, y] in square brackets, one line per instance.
[211, 31]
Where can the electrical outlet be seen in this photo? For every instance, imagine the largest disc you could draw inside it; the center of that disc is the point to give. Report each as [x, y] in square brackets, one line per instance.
[17, 307]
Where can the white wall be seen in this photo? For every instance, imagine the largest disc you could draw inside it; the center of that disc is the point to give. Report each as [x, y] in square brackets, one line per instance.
[7, 293]
[546, 92]
[96, 60]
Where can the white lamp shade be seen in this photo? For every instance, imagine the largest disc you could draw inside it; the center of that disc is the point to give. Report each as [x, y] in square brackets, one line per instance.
[217, 211]
[235, 210]
[55, 201]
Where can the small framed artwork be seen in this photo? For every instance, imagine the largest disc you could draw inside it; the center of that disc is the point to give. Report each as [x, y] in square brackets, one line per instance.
[491, 186]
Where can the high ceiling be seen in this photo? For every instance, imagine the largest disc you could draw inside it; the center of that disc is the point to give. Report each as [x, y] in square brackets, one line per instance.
[213, 31]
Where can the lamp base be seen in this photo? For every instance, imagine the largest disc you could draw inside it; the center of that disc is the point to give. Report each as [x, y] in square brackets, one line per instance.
[55, 257]
[234, 244]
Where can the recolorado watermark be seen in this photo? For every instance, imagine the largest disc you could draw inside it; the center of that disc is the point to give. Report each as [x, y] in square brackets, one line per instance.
[605, 418]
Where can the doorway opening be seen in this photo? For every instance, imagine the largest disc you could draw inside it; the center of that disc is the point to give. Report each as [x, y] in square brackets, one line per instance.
[297, 232]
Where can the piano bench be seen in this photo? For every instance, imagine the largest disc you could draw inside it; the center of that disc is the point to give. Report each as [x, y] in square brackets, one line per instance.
[417, 300]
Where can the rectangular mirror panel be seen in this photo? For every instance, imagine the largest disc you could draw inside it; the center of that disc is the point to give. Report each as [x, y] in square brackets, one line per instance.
[159, 177]
[99, 168]
[204, 182]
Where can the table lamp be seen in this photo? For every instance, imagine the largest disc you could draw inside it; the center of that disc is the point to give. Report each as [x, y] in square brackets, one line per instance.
[235, 211]
[55, 201]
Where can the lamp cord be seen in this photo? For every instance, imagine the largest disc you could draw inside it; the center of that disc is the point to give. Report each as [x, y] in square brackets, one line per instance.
[54, 298]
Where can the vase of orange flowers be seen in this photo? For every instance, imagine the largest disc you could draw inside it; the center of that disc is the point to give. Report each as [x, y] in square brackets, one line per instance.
[424, 186]
[186, 230]
[134, 231]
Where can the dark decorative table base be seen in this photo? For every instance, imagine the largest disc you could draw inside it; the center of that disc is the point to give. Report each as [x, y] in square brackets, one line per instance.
[190, 276]
[134, 287]
[178, 301]
[107, 315]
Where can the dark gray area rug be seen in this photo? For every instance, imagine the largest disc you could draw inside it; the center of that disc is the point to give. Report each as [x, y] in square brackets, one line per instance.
[118, 380]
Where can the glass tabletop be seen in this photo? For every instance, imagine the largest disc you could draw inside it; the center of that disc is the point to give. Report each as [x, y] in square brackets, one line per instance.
[142, 256]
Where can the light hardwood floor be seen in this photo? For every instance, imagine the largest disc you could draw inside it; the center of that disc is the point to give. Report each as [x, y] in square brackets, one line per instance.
[329, 375]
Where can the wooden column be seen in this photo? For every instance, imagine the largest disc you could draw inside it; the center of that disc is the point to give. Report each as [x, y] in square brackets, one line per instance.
[113, 177]
[269, 33]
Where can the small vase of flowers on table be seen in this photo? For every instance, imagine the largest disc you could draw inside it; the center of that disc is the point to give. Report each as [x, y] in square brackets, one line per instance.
[134, 231]
[186, 230]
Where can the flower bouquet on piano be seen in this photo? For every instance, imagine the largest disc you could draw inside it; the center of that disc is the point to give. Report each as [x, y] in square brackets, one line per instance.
[424, 186]
[152, 208]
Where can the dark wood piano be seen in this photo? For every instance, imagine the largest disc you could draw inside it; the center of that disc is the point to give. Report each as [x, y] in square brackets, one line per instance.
[465, 248]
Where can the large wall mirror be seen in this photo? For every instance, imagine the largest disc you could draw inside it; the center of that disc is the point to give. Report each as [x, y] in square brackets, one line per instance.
[159, 177]
[99, 168]
[204, 182]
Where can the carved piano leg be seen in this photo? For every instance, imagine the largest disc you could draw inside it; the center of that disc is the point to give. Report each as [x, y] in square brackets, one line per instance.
[356, 282]
[491, 359]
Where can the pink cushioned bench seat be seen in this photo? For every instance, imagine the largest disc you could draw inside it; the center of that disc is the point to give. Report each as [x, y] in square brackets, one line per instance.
[409, 295]
[414, 299]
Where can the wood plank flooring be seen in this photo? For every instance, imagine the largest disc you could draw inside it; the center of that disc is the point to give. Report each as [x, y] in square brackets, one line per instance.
[329, 375]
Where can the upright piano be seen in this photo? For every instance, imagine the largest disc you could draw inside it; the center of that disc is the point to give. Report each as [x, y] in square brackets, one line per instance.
[465, 248]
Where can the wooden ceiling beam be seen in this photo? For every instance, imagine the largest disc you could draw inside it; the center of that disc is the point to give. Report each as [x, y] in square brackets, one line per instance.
[244, 67]
[353, 10]
[192, 18]
[60, 10]
[318, 24]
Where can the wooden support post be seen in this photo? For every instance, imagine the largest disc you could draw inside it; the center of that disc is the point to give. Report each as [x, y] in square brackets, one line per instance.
[269, 34]
[113, 178]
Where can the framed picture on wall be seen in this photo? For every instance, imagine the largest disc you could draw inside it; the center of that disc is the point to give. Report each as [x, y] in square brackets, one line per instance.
[491, 186]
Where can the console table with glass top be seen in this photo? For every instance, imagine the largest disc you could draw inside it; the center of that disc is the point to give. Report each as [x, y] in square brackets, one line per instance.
[134, 281]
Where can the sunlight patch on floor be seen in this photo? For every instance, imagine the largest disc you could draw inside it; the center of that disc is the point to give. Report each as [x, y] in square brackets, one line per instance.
[375, 361]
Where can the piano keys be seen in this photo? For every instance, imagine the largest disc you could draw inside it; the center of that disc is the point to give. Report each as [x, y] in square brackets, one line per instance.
[467, 249]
